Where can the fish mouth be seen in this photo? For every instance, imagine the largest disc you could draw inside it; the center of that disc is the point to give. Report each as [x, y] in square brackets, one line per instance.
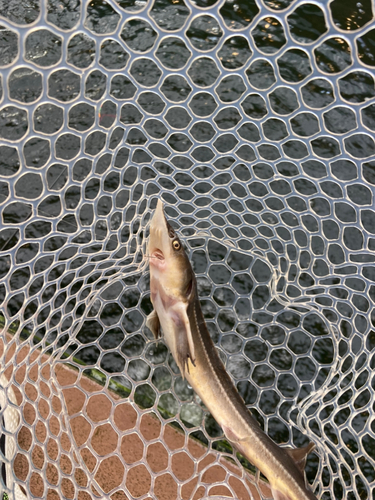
[157, 254]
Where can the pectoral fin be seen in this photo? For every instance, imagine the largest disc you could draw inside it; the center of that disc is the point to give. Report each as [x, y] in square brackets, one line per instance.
[153, 324]
[184, 337]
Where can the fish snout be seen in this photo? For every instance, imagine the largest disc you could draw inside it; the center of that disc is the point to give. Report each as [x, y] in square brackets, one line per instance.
[155, 244]
[158, 245]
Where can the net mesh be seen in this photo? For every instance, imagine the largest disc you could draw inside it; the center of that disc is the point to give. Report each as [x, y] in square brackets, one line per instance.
[254, 123]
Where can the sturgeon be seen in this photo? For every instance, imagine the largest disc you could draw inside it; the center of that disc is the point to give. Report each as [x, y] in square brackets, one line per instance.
[178, 316]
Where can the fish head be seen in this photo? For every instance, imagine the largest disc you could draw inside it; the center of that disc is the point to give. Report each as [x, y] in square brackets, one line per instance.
[173, 291]
[170, 268]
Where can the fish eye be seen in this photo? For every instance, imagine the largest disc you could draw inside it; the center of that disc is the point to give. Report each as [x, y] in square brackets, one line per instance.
[176, 244]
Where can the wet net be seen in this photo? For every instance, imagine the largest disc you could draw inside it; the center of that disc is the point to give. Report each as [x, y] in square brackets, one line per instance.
[254, 123]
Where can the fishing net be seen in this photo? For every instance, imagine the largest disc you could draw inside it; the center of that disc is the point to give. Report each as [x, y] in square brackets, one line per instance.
[254, 123]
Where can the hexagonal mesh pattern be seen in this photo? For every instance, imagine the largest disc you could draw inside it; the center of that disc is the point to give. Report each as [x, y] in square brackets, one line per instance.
[254, 123]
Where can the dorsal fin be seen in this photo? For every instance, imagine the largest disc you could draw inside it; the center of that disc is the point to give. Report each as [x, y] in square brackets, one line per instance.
[299, 455]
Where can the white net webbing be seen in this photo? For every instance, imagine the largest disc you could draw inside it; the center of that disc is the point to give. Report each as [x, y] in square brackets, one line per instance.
[254, 122]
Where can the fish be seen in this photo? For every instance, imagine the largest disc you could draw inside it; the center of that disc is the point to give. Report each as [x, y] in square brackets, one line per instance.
[178, 317]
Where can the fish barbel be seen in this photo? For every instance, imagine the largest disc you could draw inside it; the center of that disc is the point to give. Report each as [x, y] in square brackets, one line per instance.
[177, 314]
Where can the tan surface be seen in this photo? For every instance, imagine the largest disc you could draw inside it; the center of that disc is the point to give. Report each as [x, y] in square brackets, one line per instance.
[133, 448]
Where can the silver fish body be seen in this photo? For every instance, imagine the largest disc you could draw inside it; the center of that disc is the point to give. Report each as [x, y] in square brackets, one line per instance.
[177, 313]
